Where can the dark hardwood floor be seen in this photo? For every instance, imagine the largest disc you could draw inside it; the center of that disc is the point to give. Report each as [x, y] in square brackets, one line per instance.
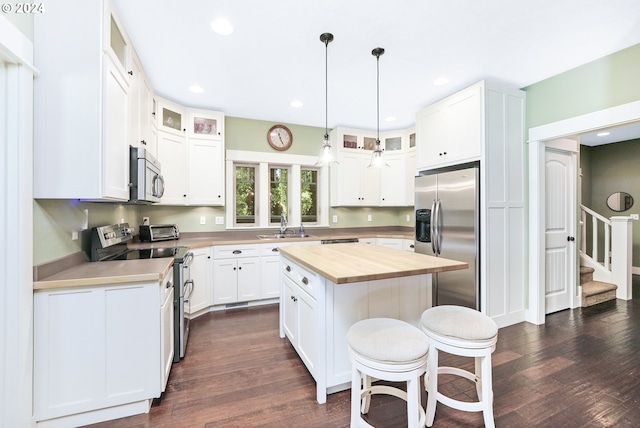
[580, 369]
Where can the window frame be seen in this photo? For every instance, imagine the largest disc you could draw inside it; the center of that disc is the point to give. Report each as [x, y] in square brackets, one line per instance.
[263, 161]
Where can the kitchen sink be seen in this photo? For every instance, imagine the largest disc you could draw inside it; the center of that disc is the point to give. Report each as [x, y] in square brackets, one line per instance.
[284, 236]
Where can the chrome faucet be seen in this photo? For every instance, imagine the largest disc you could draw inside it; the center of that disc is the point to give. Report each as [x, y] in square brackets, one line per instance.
[283, 223]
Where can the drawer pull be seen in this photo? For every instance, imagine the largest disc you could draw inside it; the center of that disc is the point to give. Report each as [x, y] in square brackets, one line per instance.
[288, 268]
[237, 251]
[275, 250]
[305, 281]
[294, 298]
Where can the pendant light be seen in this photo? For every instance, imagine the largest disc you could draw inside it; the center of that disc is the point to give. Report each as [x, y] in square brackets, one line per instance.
[326, 154]
[377, 157]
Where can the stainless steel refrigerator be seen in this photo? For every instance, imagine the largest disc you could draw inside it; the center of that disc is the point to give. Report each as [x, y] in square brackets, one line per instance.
[447, 225]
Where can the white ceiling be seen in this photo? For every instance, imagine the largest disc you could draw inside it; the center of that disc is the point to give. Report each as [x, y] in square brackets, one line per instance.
[274, 56]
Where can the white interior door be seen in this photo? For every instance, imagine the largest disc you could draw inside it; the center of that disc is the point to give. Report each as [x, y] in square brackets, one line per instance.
[560, 244]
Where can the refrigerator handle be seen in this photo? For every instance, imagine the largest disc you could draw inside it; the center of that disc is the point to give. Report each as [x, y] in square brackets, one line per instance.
[432, 228]
[438, 226]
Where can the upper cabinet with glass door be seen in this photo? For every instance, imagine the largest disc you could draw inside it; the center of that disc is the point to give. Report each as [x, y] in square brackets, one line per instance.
[350, 139]
[116, 43]
[171, 117]
[205, 124]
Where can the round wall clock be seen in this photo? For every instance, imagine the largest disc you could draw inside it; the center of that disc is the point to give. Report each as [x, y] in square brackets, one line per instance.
[280, 137]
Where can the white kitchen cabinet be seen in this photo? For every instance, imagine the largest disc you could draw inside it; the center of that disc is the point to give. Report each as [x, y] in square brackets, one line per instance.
[270, 267]
[172, 117]
[408, 245]
[172, 154]
[193, 166]
[354, 184]
[299, 286]
[451, 131]
[166, 333]
[486, 123]
[140, 109]
[101, 352]
[389, 243]
[205, 172]
[201, 271]
[236, 273]
[205, 124]
[81, 148]
[410, 167]
[393, 184]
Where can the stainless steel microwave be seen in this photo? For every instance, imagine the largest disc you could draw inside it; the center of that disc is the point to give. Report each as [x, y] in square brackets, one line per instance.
[146, 182]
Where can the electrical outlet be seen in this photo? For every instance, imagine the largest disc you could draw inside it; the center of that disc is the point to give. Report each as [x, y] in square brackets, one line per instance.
[408, 217]
[634, 216]
[203, 220]
[145, 221]
[369, 217]
[74, 235]
[219, 220]
[335, 218]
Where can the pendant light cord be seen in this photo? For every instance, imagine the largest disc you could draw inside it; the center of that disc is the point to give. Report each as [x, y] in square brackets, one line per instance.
[326, 90]
[378, 98]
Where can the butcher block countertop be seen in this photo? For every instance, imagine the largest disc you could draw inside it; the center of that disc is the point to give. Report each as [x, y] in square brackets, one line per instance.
[108, 273]
[348, 263]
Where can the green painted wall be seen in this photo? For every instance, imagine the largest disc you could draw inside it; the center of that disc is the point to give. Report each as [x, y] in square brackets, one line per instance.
[614, 168]
[600, 84]
[251, 135]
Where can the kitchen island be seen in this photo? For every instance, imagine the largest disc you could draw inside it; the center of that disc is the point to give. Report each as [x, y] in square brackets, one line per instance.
[325, 289]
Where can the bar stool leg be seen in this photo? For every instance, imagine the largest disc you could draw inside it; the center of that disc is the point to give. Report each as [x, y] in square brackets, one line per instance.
[478, 373]
[487, 392]
[413, 403]
[366, 400]
[356, 382]
[432, 385]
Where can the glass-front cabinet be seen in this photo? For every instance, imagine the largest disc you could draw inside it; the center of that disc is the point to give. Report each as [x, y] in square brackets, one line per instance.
[172, 117]
[205, 124]
[349, 139]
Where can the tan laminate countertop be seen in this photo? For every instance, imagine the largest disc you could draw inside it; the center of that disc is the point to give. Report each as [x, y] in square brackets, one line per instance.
[118, 272]
[348, 263]
[108, 273]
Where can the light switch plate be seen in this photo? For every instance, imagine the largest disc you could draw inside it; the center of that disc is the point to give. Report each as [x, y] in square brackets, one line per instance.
[369, 217]
[203, 220]
[335, 218]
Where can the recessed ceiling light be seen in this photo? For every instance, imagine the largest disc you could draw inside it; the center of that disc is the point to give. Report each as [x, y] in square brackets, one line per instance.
[296, 103]
[602, 134]
[222, 27]
[441, 81]
[196, 89]
[389, 119]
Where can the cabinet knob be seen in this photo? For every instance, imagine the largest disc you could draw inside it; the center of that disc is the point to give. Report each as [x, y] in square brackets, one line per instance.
[305, 281]
[234, 268]
[240, 268]
[570, 238]
[288, 268]
[130, 72]
[143, 142]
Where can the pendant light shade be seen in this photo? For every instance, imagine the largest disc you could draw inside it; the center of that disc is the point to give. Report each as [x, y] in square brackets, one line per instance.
[377, 157]
[326, 157]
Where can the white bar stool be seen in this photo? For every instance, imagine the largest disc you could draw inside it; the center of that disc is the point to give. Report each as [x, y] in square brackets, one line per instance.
[386, 349]
[466, 332]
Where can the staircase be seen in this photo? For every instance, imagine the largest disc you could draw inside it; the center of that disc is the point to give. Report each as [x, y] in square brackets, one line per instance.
[607, 258]
[594, 292]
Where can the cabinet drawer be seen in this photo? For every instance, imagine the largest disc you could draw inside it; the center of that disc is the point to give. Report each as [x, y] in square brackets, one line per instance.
[304, 278]
[236, 251]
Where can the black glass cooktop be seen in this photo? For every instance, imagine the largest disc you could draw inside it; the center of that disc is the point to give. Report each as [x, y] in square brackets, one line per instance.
[147, 253]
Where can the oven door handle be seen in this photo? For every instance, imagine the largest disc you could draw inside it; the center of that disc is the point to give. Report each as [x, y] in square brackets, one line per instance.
[188, 289]
[188, 258]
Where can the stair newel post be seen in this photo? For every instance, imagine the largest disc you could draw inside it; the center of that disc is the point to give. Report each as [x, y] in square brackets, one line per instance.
[621, 255]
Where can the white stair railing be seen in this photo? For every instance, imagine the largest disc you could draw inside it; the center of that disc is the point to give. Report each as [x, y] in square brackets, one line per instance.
[615, 236]
[596, 219]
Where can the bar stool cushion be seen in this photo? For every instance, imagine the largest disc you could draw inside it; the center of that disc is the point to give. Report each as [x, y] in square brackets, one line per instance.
[459, 322]
[388, 340]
